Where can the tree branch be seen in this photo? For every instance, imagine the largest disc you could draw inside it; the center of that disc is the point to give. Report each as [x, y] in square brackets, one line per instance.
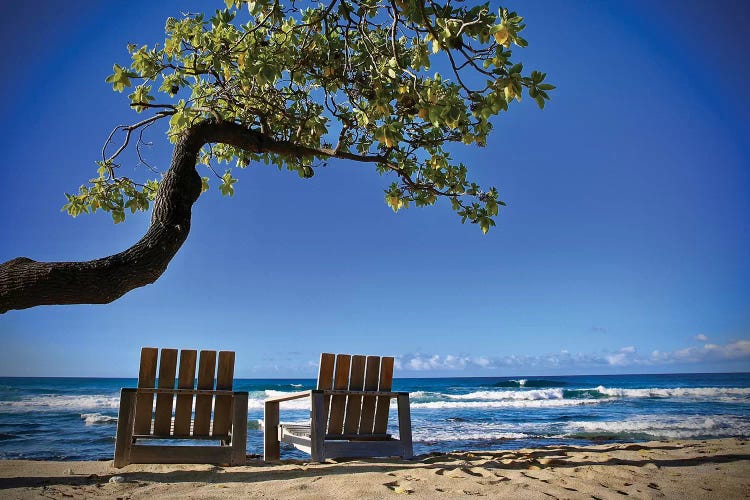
[27, 283]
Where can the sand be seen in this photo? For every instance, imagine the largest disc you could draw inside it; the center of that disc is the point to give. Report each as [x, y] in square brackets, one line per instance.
[717, 468]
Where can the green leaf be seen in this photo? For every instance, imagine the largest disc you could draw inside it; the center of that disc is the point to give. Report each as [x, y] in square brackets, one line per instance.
[227, 184]
[119, 79]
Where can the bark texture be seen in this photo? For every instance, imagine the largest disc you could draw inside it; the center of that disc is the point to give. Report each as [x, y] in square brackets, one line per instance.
[27, 283]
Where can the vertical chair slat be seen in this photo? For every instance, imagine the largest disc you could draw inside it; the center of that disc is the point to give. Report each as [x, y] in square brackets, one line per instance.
[383, 402]
[372, 377]
[206, 371]
[183, 408]
[338, 402]
[164, 402]
[144, 402]
[325, 378]
[223, 404]
[354, 403]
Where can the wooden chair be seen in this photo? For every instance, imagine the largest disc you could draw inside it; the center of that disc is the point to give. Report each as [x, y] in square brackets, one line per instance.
[173, 417]
[349, 414]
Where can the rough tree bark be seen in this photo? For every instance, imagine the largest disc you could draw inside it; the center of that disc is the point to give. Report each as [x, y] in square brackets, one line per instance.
[27, 283]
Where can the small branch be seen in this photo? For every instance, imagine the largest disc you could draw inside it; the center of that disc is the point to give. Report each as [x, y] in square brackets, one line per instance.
[128, 129]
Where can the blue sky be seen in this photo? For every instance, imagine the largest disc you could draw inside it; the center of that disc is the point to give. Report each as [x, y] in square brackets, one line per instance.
[625, 247]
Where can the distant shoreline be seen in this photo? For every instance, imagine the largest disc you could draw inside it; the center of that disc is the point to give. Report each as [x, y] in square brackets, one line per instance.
[715, 468]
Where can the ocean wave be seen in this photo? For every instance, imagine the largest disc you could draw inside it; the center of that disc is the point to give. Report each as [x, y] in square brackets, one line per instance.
[97, 418]
[663, 427]
[676, 392]
[536, 394]
[434, 436]
[726, 394]
[257, 401]
[510, 395]
[60, 402]
[540, 383]
[6, 437]
[538, 403]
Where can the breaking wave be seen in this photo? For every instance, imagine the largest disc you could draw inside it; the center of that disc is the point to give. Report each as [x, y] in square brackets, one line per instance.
[539, 403]
[52, 402]
[662, 427]
[97, 418]
[530, 383]
[679, 392]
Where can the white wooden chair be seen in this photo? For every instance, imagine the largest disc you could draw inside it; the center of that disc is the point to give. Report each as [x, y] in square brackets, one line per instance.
[349, 416]
[173, 416]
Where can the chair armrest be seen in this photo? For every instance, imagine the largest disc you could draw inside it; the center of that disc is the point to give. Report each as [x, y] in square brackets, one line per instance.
[288, 397]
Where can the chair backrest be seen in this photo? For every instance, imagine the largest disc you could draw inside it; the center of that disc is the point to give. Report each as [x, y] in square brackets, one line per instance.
[212, 390]
[355, 414]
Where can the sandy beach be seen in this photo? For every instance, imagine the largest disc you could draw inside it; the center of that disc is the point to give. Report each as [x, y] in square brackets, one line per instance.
[717, 468]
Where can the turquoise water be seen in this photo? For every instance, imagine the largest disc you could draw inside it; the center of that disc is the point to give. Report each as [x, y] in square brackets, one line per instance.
[75, 418]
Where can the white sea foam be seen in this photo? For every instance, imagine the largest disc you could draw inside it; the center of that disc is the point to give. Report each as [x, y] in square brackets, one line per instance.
[97, 418]
[54, 402]
[677, 392]
[538, 403]
[430, 431]
[665, 426]
[446, 435]
[258, 403]
[536, 394]
[422, 394]
[505, 395]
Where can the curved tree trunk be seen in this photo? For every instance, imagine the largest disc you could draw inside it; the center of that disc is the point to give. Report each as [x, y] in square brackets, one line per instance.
[27, 283]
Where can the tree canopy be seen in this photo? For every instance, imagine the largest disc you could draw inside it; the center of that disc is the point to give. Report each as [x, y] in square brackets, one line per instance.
[388, 83]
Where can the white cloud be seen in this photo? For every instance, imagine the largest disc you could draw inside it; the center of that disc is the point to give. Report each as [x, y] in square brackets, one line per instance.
[627, 356]
[453, 362]
[623, 357]
[713, 352]
[420, 362]
[701, 338]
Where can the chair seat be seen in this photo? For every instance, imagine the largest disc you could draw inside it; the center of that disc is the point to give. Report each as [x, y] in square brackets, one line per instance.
[305, 431]
[300, 430]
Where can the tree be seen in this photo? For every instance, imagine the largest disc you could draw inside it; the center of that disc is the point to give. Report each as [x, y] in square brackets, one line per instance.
[388, 83]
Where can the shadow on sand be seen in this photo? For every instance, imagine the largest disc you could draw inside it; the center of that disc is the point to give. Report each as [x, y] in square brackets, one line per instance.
[257, 471]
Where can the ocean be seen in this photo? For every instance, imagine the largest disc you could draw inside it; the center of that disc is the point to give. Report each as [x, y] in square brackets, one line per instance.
[76, 418]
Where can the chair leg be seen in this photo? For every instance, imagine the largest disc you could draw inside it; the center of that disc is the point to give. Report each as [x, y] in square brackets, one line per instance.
[318, 426]
[404, 424]
[271, 446]
[239, 429]
[125, 419]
